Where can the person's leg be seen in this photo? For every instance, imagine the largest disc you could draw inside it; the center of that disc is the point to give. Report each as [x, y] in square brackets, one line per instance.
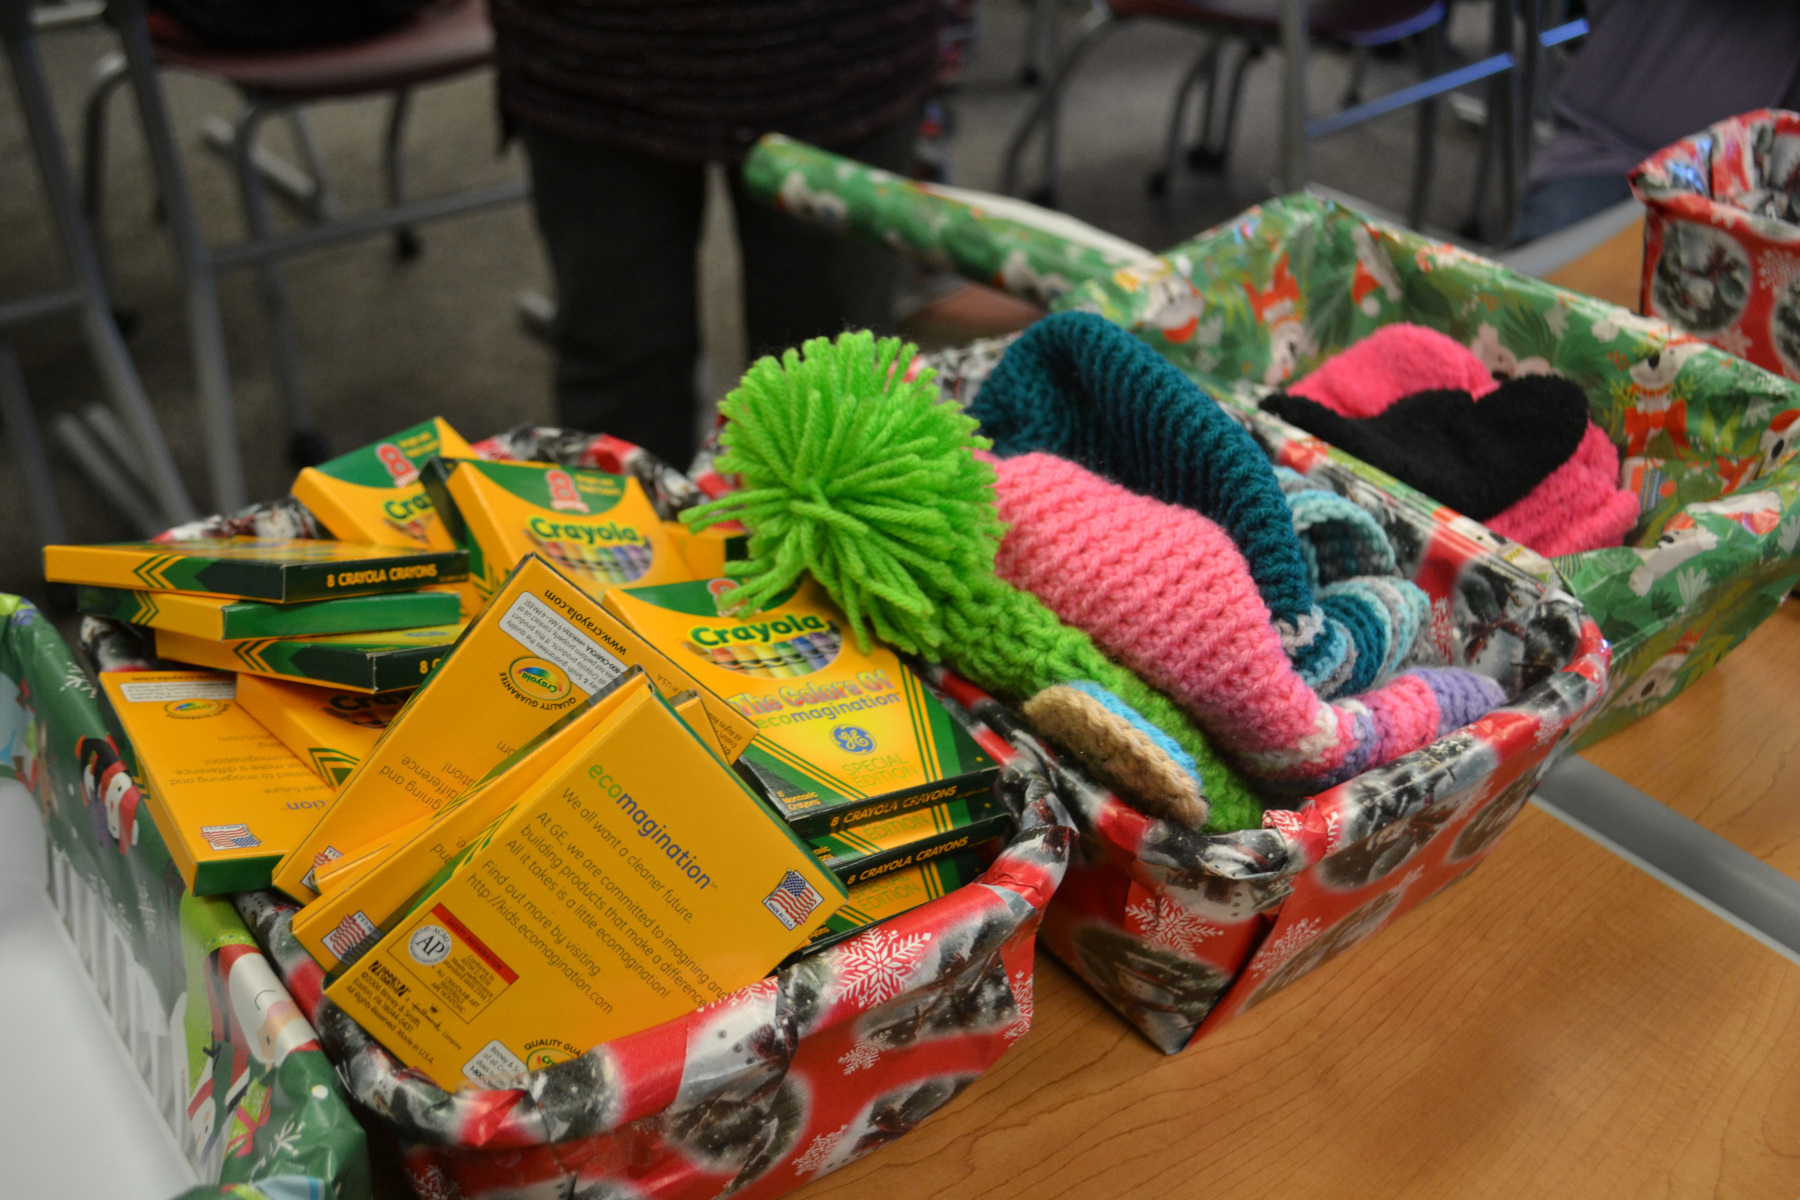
[1560, 203]
[620, 230]
[802, 281]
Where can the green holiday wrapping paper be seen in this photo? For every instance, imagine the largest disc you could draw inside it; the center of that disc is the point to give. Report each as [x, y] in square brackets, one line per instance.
[1033, 253]
[1263, 299]
[1703, 436]
[233, 1065]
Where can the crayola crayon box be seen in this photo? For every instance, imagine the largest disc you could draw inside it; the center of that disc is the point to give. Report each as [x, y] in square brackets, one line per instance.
[227, 796]
[279, 570]
[218, 618]
[859, 853]
[538, 649]
[636, 881]
[358, 904]
[367, 662]
[598, 529]
[326, 728]
[842, 737]
[374, 495]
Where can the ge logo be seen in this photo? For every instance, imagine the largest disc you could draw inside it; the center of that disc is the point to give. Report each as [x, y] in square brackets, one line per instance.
[429, 945]
[852, 739]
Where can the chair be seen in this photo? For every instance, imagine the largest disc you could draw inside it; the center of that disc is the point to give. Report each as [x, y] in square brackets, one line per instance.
[121, 448]
[1257, 25]
[448, 39]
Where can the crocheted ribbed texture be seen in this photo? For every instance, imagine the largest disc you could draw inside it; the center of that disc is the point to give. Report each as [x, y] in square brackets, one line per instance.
[1113, 742]
[1579, 507]
[1167, 593]
[1394, 361]
[864, 480]
[1078, 386]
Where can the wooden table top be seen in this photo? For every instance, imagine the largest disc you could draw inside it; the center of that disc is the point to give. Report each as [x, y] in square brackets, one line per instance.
[1559, 1024]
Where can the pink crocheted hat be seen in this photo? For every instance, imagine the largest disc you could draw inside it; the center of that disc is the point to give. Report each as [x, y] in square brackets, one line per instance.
[1394, 361]
[1167, 593]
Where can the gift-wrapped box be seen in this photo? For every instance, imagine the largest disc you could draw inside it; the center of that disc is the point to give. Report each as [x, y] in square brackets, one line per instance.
[231, 1062]
[778, 1084]
[1261, 300]
[1722, 237]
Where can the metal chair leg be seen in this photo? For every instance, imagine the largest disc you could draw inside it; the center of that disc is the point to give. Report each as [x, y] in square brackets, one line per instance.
[1425, 147]
[277, 309]
[109, 74]
[406, 239]
[1207, 63]
[104, 342]
[1296, 48]
[1211, 156]
[1047, 110]
[1359, 74]
[325, 205]
[212, 369]
[28, 449]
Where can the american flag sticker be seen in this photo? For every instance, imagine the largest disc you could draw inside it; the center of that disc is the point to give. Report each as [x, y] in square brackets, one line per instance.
[793, 900]
[349, 933]
[229, 837]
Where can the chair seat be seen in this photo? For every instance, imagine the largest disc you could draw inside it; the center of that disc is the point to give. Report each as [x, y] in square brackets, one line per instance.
[443, 40]
[1359, 22]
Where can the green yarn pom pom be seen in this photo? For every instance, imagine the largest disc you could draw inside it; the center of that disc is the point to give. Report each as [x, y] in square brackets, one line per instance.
[868, 481]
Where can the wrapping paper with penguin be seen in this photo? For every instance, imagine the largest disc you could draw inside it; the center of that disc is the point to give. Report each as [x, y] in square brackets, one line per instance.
[1722, 237]
[1262, 299]
[231, 1062]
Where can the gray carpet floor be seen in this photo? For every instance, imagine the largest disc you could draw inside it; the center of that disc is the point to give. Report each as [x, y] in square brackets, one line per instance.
[387, 344]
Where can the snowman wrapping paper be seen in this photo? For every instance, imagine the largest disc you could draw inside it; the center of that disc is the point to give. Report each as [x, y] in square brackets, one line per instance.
[230, 1059]
[1722, 236]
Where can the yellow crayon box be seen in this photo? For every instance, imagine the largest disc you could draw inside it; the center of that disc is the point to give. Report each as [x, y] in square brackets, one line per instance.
[843, 737]
[365, 662]
[357, 905]
[637, 881]
[228, 798]
[329, 729]
[340, 872]
[279, 570]
[539, 649]
[373, 494]
[598, 529]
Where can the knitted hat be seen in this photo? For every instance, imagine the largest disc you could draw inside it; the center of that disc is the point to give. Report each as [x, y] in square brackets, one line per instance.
[1394, 361]
[1478, 458]
[1166, 592]
[861, 478]
[1076, 385]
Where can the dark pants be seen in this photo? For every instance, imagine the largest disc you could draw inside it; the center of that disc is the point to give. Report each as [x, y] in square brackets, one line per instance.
[621, 230]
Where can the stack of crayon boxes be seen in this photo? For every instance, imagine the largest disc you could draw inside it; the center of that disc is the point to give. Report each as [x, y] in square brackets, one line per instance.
[534, 789]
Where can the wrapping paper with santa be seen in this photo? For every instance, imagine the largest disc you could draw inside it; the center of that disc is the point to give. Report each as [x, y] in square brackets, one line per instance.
[232, 1063]
[1705, 440]
[1722, 237]
[783, 1082]
[1180, 930]
[755, 1095]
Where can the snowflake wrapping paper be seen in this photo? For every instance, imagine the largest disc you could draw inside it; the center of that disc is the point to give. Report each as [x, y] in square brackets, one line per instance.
[1180, 931]
[1722, 237]
[229, 1059]
[755, 1095]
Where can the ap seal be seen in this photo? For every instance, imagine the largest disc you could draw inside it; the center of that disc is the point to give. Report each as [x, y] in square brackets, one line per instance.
[429, 945]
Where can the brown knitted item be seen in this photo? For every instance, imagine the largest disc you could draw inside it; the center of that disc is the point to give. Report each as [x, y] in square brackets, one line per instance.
[1117, 754]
